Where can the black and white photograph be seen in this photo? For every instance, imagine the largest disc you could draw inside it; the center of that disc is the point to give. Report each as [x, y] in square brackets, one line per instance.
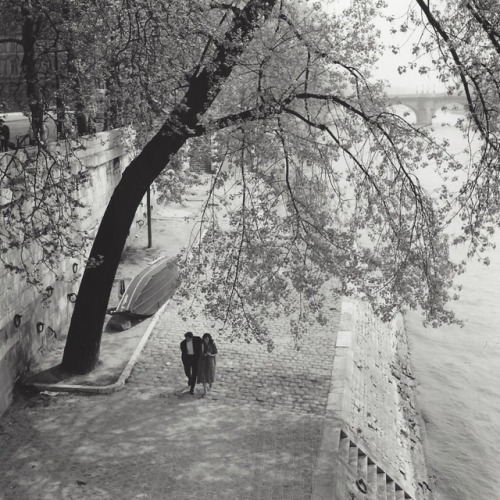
[248, 249]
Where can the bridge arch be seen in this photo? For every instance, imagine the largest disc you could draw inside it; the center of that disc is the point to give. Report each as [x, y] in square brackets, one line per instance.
[426, 106]
[406, 112]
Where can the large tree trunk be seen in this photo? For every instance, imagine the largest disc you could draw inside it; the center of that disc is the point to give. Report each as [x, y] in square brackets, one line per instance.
[82, 347]
[81, 352]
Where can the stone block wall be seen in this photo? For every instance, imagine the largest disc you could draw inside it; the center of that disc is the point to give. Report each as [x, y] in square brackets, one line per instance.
[103, 158]
[373, 399]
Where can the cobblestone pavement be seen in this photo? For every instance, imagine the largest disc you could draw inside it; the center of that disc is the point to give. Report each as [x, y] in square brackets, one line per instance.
[255, 436]
[157, 446]
[285, 378]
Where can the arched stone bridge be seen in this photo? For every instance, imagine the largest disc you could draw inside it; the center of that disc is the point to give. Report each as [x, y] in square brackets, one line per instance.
[425, 106]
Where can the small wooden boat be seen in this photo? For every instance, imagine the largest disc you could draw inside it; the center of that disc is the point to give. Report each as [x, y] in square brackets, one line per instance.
[146, 293]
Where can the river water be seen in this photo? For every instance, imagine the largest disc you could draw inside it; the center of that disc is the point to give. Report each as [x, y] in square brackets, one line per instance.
[458, 372]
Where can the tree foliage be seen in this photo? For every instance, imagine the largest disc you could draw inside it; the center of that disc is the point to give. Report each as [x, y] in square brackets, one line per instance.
[462, 43]
[328, 185]
[82, 63]
[318, 179]
[42, 220]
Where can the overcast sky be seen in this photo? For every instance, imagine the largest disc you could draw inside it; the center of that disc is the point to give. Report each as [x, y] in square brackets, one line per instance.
[411, 81]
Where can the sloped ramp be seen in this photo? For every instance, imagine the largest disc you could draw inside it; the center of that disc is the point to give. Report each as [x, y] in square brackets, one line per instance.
[146, 293]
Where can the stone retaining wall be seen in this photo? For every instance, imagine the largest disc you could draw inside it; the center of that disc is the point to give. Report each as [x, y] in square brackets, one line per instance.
[103, 158]
[380, 439]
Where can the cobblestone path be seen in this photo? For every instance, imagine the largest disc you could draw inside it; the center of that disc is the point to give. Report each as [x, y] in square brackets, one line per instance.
[284, 378]
[255, 436]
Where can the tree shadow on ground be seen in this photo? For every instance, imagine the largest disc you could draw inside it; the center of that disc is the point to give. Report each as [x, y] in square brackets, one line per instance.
[159, 446]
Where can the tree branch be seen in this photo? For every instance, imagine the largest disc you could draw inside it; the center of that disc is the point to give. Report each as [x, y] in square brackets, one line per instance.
[441, 33]
[486, 25]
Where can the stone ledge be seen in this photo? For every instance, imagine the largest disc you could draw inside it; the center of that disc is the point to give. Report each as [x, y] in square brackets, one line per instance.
[107, 388]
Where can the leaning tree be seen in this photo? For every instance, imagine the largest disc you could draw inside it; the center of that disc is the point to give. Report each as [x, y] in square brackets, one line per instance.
[328, 176]
[329, 186]
[225, 42]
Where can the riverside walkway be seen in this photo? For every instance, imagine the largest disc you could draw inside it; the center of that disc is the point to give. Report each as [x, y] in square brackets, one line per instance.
[257, 435]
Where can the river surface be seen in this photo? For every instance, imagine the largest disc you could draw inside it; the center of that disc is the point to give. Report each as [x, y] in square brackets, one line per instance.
[458, 371]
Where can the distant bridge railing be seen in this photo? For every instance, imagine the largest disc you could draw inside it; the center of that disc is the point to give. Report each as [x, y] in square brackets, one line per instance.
[425, 106]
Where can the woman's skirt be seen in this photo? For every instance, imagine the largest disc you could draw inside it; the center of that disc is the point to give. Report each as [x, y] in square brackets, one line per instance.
[206, 370]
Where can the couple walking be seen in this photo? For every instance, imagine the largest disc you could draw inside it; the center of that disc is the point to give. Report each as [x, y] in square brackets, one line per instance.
[198, 358]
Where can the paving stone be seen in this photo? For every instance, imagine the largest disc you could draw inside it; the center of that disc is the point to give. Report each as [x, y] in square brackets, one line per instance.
[255, 436]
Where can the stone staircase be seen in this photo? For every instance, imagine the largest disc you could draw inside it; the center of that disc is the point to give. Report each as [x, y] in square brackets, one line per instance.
[366, 479]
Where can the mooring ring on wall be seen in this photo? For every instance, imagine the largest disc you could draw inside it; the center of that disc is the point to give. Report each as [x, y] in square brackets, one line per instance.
[40, 326]
[49, 291]
[140, 222]
[75, 267]
[360, 483]
[17, 320]
[72, 297]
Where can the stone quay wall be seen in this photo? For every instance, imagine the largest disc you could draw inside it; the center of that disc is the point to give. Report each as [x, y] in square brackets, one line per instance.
[102, 157]
[379, 433]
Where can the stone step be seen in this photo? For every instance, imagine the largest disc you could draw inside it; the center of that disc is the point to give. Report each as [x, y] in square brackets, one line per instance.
[381, 485]
[372, 479]
[362, 471]
[341, 474]
[362, 475]
[400, 494]
[390, 488]
[353, 460]
[344, 447]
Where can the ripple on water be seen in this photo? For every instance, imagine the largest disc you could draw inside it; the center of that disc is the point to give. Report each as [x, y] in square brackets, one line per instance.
[459, 394]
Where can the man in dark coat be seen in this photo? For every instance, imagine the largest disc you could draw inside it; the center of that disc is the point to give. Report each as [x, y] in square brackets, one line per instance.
[191, 350]
[4, 136]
